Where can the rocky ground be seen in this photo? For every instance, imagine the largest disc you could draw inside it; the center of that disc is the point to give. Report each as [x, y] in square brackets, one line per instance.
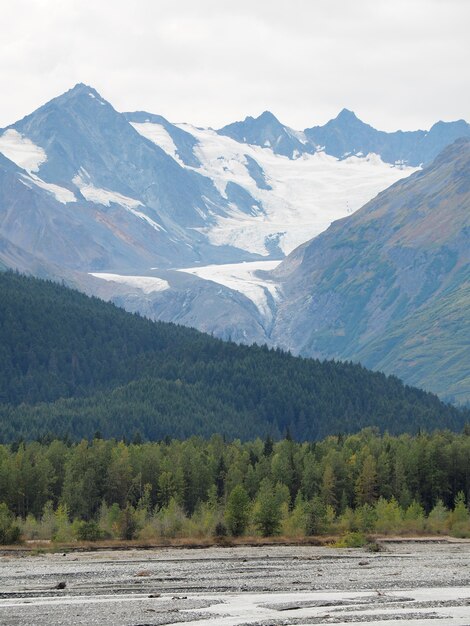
[415, 583]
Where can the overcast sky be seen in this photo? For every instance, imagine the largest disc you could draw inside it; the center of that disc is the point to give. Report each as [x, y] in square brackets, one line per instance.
[396, 63]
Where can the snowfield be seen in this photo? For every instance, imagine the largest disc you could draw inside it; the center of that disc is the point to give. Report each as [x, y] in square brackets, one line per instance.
[105, 197]
[306, 194]
[160, 136]
[22, 150]
[147, 284]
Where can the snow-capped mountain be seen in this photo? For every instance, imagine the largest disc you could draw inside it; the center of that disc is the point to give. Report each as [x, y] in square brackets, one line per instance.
[163, 217]
[77, 151]
[115, 193]
[347, 135]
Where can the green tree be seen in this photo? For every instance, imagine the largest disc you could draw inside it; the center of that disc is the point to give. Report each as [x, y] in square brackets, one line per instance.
[414, 518]
[128, 524]
[267, 512]
[237, 511]
[316, 516]
[438, 518]
[366, 484]
[389, 516]
[328, 486]
[459, 518]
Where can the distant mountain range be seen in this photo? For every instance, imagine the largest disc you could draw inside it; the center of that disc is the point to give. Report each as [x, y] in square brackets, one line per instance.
[347, 135]
[176, 221]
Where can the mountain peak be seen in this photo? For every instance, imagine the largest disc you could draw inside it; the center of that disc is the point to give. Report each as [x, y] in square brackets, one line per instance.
[267, 117]
[265, 131]
[81, 87]
[79, 91]
[345, 115]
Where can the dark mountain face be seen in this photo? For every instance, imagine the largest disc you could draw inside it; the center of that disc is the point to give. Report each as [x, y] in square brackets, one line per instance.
[268, 132]
[390, 285]
[76, 235]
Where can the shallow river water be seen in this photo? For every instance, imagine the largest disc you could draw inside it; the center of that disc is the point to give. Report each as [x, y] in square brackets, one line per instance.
[410, 583]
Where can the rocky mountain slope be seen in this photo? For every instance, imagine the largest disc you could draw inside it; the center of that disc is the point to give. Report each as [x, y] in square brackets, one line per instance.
[390, 285]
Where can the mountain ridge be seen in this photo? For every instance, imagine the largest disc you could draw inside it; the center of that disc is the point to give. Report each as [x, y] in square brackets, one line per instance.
[370, 286]
[347, 135]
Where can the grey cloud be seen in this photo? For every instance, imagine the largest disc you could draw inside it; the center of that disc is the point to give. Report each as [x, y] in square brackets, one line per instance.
[397, 64]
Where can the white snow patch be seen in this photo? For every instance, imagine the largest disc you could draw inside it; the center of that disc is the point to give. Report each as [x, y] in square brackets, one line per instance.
[107, 197]
[242, 277]
[160, 136]
[22, 150]
[104, 196]
[97, 99]
[147, 284]
[297, 134]
[146, 218]
[61, 194]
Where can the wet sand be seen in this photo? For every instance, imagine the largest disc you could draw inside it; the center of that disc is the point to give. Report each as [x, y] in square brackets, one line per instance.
[414, 583]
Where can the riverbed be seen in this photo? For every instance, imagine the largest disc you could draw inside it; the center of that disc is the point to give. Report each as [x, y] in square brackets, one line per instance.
[415, 583]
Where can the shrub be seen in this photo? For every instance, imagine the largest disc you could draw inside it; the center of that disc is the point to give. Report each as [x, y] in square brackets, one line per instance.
[389, 516]
[9, 531]
[220, 530]
[351, 540]
[89, 531]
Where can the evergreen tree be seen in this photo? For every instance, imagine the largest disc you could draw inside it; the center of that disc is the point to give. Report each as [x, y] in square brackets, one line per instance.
[267, 512]
[366, 484]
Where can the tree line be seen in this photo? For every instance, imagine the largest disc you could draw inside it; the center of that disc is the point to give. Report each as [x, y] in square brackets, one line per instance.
[362, 483]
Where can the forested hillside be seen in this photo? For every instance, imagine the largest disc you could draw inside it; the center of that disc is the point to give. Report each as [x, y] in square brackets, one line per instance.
[73, 365]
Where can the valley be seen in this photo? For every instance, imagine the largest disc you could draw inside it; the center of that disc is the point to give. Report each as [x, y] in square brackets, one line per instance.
[206, 228]
[234, 313]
